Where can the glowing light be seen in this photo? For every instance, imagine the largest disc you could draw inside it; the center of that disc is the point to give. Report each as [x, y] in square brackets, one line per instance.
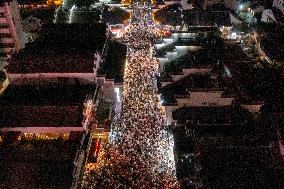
[234, 35]
[140, 143]
[71, 13]
[117, 91]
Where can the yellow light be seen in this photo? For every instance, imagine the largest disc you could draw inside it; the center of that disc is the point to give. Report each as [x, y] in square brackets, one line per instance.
[4, 85]
[54, 2]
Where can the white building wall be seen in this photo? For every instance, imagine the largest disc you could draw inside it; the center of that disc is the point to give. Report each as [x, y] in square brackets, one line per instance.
[205, 98]
[10, 21]
[169, 113]
[268, 16]
[279, 4]
[44, 78]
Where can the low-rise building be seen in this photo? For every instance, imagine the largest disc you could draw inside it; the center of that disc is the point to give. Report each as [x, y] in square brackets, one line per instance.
[194, 90]
[231, 4]
[63, 51]
[279, 4]
[200, 18]
[49, 111]
[191, 74]
[268, 16]
[12, 37]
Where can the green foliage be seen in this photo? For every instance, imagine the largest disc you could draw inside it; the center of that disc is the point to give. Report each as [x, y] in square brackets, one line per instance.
[103, 110]
[244, 28]
[113, 67]
[83, 3]
[61, 15]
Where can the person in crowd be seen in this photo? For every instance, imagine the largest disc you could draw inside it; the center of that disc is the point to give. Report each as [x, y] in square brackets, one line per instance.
[140, 155]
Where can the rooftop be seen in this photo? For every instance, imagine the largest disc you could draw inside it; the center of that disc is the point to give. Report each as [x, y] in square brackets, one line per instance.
[212, 115]
[193, 50]
[272, 40]
[115, 15]
[41, 116]
[113, 66]
[207, 18]
[197, 59]
[231, 147]
[61, 48]
[272, 49]
[24, 63]
[255, 83]
[80, 16]
[231, 168]
[49, 95]
[169, 15]
[43, 106]
[37, 164]
[45, 14]
[195, 82]
[104, 13]
[73, 38]
[23, 2]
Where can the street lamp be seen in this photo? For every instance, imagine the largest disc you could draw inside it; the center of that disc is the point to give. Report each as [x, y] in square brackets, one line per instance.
[241, 7]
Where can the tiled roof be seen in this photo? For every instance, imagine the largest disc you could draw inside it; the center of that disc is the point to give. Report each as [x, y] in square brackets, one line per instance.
[51, 63]
[41, 116]
[43, 106]
[204, 114]
[113, 66]
[207, 18]
[189, 83]
[272, 49]
[61, 48]
[240, 167]
[49, 95]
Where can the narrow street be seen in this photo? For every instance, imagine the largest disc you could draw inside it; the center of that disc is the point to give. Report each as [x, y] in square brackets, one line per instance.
[140, 154]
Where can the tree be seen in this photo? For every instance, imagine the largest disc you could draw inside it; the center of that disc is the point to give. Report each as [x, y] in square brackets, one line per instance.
[83, 3]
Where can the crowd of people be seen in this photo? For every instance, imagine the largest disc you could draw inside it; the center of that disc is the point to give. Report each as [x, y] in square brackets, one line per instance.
[140, 153]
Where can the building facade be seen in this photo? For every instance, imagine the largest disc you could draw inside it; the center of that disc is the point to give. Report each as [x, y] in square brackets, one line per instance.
[11, 32]
[279, 4]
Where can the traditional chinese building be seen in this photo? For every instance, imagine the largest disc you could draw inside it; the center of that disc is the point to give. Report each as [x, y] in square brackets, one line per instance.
[11, 34]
